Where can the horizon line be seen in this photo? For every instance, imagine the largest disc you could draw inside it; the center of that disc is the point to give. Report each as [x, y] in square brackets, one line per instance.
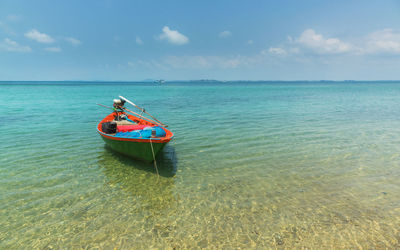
[198, 80]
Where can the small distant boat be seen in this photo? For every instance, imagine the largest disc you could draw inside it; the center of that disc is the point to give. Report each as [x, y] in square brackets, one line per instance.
[161, 81]
[131, 133]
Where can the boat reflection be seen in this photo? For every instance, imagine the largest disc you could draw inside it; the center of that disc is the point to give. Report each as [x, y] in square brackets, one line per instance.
[140, 180]
[166, 161]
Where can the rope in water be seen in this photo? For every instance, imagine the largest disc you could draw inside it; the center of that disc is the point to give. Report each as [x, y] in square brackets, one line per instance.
[154, 158]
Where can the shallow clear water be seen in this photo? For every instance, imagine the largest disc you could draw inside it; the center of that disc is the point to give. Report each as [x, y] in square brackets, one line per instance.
[252, 165]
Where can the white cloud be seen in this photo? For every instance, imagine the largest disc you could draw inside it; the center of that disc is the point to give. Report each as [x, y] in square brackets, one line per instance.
[384, 41]
[14, 18]
[10, 45]
[186, 62]
[225, 34]
[53, 49]
[39, 37]
[198, 62]
[294, 50]
[73, 41]
[173, 36]
[6, 29]
[139, 41]
[321, 45]
[250, 42]
[277, 51]
[147, 64]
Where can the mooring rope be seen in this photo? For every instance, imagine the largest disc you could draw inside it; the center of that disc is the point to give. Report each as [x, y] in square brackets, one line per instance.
[154, 158]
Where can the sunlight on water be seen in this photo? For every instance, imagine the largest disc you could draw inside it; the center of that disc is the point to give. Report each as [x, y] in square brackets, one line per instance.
[252, 165]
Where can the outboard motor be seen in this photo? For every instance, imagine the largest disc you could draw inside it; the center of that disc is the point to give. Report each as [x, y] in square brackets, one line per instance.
[118, 107]
[119, 103]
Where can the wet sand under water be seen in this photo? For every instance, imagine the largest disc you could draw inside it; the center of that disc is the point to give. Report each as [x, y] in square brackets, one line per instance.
[313, 165]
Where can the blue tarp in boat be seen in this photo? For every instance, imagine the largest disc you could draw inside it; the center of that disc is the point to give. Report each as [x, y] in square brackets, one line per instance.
[145, 133]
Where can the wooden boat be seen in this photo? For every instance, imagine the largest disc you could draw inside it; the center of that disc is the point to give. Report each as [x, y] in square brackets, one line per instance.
[144, 142]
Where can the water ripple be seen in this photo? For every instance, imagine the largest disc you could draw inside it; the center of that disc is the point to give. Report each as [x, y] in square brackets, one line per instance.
[305, 165]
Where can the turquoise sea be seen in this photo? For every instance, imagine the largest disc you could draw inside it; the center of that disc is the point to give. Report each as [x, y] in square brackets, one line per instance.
[253, 165]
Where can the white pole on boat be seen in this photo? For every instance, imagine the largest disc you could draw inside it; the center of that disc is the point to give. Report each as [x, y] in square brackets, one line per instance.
[145, 118]
[123, 98]
[136, 114]
[142, 109]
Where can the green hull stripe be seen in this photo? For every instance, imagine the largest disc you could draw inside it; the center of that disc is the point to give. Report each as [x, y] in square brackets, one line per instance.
[138, 150]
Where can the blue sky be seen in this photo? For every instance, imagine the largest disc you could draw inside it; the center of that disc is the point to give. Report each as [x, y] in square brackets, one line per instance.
[183, 40]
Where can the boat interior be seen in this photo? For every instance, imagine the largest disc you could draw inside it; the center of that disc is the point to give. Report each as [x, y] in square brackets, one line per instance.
[128, 126]
[120, 124]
